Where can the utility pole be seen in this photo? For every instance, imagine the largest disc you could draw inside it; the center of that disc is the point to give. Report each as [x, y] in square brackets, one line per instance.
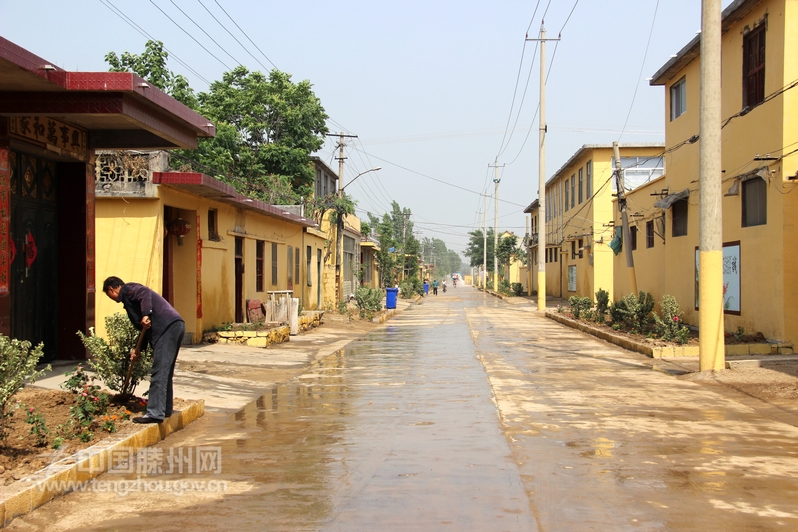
[496, 181]
[712, 355]
[627, 233]
[485, 245]
[542, 170]
[339, 237]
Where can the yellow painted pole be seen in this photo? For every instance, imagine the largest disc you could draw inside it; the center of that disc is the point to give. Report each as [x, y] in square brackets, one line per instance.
[712, 356]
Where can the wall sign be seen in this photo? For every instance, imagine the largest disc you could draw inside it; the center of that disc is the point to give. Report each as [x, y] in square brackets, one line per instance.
[731, 278]
[54, 134]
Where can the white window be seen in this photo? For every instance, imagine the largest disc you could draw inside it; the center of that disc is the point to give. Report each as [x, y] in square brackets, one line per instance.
[678, 99]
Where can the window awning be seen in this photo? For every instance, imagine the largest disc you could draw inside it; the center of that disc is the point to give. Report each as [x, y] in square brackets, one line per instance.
[667, 201]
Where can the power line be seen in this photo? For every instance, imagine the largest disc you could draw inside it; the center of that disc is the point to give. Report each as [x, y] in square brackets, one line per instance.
[119, 13]
[245, 34]
[205, 32]
[231, 35]
[187, 33]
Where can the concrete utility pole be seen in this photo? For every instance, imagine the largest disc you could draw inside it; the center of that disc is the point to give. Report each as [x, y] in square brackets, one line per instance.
[496, 181]
[485, 245]
[712, 354]
[542, 171]
[627, 232]
[339, 238]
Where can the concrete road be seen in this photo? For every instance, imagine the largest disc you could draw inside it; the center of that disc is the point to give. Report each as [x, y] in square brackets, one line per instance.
[469, 413]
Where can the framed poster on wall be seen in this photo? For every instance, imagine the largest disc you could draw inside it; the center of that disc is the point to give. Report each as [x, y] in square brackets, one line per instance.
[731, 278]
[572, 278]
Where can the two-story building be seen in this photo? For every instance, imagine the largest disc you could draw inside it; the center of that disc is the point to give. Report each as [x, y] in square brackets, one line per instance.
[759, 101]
[579, 216]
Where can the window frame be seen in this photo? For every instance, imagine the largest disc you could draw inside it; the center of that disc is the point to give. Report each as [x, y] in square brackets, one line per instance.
[760, 217]
[633, 237]
[260, 246]
[581, 185]
[754, 45]
[649, 234]
[589, 179]
[679, 218]
[213, 225]
[274, 263]
[566, 196]
[678, 98]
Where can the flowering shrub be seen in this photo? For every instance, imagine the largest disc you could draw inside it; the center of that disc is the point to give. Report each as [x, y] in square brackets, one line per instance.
[670, 326]
[633, 312]
[89, 403]
[111, 359]
[17, 366]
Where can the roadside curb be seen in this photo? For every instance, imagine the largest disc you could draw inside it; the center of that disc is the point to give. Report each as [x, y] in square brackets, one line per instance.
[61, 477]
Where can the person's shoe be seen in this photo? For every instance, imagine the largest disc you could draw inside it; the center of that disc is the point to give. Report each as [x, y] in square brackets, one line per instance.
[146, 419]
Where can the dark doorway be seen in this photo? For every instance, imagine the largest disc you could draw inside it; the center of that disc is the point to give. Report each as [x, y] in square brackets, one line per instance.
[33, 268]
[239, 269]
[169, 214]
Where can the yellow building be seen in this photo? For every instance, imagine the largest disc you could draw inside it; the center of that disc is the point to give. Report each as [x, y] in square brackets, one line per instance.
[204, 247]
[579, 216]
[759, 137]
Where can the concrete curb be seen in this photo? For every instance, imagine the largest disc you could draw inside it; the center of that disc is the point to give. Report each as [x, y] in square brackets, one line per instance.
[29, 493]
[670, 351]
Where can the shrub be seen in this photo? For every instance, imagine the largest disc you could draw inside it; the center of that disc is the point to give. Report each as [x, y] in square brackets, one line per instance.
[110, 360]
[410, 287]
[602, 301]
[669, 326]
[368, 299]
[632, 311]
[504, 288]
[17, 366]
[579, 305]
[518, 289]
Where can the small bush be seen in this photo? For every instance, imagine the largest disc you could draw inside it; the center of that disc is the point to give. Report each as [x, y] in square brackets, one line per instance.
[368, 299]
[579, 305]
[518, 289]
[670, 326]
[504, 288]
[602, 301]
[407, 289]
[110, 360]
[17, 366]
[633, 312]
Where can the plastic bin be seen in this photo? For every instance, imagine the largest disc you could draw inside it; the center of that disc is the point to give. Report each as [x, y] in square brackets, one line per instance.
[390, 297]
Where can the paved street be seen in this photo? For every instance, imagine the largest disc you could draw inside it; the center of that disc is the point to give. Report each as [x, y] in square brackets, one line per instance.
[472, 413]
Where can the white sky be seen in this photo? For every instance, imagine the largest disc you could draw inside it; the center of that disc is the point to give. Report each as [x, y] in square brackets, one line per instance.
[427, 86]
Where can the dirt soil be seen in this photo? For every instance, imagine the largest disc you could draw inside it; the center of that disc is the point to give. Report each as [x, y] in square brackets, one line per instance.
[775, 382]
[22, 456]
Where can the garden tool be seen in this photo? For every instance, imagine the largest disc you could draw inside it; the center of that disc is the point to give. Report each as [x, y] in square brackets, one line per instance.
[123, 397]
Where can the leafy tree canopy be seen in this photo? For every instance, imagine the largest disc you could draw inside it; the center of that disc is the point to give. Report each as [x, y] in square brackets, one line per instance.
[266, 126]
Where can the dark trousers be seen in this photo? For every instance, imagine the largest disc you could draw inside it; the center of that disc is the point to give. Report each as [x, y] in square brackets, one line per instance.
[159, 400]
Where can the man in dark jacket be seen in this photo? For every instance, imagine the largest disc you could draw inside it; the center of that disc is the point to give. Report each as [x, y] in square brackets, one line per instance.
[165, 328]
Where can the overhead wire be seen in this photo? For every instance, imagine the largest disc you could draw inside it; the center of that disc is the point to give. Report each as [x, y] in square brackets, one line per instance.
[222, 48]
[245, 33]
[119, 13]
[231, 35]
[189, 34]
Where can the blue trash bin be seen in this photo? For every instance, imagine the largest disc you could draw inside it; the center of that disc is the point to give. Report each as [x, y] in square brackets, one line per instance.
[390, 297]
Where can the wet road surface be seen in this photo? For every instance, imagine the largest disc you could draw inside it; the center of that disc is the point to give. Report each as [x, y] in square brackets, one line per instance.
[470, 413]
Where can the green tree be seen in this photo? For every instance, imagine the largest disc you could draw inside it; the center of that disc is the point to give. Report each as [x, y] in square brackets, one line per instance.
[266, 126]
[151, 65]
[475, 246]
[506, 252]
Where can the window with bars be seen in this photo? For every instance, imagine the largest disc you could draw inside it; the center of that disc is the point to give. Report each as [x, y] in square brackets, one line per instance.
[754, 66]
[566, 194]
[633, 237]
[296, 264]
[274, 264]
[259, 248]
[290, 269]
[310, 258]
[650, 234]
[213, 225]
[589, 179]
[581, 184]
[573, 190]
[755, 202]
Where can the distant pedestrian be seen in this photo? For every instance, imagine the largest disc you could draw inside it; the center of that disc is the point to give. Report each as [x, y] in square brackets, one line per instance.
[435, 287]
[148, 311]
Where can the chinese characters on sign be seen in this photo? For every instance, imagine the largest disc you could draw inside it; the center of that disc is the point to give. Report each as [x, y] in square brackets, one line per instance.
[53, 133]
[731, 278]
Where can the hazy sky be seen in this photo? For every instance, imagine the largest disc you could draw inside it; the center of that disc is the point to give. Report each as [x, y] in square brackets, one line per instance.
[436, 91]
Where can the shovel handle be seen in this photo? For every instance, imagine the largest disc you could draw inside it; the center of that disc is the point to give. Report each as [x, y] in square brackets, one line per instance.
[137, 351]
